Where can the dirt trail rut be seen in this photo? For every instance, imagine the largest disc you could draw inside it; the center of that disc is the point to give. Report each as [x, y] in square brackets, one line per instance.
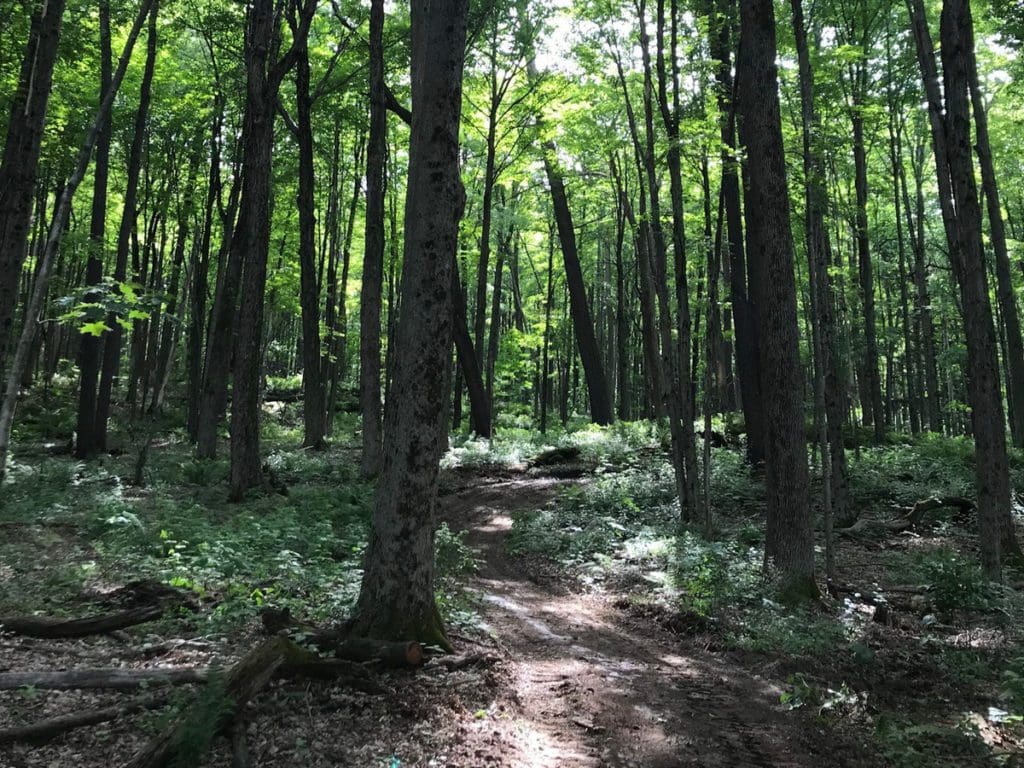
[595, 687]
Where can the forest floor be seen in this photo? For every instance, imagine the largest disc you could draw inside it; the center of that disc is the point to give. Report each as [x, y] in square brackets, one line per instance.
[591, 685]
[606, 634]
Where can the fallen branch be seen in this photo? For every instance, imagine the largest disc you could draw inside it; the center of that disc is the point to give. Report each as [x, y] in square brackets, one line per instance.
[911, 519]
[241, 682]
[42, 731]
[921, 508]
[113, 679]
[52, 628]
[453, 663]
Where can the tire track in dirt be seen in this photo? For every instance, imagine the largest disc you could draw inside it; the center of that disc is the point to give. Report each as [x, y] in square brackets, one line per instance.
[594, 687]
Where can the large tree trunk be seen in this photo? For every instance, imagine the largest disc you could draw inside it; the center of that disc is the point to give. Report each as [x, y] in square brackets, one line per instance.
[90, 346]
[20, 161]
[264, 73]
[1004, 280]
[396, 601]
[961, 215]
[789, 541]
[988, 424]
[373, 254]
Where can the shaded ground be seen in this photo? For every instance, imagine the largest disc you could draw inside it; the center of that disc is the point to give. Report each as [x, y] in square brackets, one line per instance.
[610, 673]
[592, 686]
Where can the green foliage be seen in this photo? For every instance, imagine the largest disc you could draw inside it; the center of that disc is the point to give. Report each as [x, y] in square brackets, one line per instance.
[453, 558]
[1012, 686]
[904, 744]
[904, 474]
[954, 581]
[713, 575]
[211, 708]
[771, 629]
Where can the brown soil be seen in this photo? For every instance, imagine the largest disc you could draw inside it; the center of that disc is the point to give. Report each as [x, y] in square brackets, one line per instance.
[592, 686]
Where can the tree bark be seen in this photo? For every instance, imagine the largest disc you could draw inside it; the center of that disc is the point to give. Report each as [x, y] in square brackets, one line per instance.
[742, 309]
[20, 162]
[90, 346]
[264, 73]
[788, 541]
[34, 306]
[373, 253]
[997, 230]
[829, 376]
[314, 409]
[129, 220]
[396, 601]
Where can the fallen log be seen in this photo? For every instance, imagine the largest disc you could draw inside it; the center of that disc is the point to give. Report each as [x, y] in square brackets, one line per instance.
[45, 730]
[911, 520]
[923, 507]
[113, 679]
[247, 677]
[50, 628]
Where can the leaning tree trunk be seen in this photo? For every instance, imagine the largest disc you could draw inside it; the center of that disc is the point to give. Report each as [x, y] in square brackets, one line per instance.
[21, 155]
[396, 601]
[789, 542]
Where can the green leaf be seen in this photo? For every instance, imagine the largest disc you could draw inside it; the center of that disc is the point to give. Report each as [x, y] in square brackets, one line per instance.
[97, 328]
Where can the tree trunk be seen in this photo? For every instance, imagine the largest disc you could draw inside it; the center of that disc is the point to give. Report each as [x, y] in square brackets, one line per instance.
[746, 331]
[22, 353]
[829, 373]
[373, 255]
[129, 219]
[314, 410]
[1004, 280]
[788, 541]
[988, 425]
[90, 346]
[873, 382]
[396, 601]
[252, 234]
[20, 162]
[479, 402]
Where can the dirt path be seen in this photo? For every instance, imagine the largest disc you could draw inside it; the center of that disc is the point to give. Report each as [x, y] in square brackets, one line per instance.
[595, 687]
